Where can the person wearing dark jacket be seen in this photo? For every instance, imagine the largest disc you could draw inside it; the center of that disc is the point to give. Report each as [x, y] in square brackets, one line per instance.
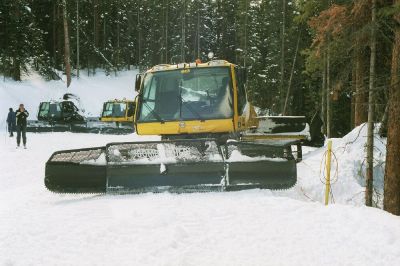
[11, 122]
[21, 115]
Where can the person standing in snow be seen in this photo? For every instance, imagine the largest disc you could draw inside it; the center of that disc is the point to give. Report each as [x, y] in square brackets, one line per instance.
[21, 115]
[11, 122]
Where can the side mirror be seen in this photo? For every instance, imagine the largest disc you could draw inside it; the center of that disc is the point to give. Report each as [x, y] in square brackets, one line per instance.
[138, 82]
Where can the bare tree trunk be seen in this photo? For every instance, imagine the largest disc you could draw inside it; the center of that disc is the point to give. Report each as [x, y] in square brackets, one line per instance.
[328, 97]
[371, 110]
[183, 31]
[105, 36]
[198, 33]
[77, 39]
[384, 122]
[353, 97]
[218, 26]
[129, 53]
[118, 47]
[361, 97]
[66, 44]
[245, 35]
[291, 76]
[391, 202]
[54, 29]
[96, 29]
[118, 41]
[162, 40]
[139, 36]
[323, 95]
[16, 72]
[283, 32]
[166, 33]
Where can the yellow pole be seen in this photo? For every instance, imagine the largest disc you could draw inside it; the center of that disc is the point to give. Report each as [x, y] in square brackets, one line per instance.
[328, 172]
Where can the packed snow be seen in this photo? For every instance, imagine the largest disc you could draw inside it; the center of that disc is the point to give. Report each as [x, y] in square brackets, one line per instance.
[253, 227]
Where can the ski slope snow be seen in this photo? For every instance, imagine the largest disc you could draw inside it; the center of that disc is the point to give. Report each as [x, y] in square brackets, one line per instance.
[254, 227]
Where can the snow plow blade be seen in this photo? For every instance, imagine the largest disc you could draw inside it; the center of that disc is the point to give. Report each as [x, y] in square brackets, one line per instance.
[83, 127]
[281, 124]
[259, 166]
[164, 166]
[279, 131]
[175, 166]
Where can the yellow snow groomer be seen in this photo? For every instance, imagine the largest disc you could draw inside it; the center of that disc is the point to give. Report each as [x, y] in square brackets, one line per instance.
[211, 139]
[119, 112]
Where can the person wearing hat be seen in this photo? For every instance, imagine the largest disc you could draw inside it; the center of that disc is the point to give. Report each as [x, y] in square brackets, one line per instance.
[21, 114]
[11, 122]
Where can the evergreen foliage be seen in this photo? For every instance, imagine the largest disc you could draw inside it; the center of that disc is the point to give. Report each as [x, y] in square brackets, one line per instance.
[121, 34]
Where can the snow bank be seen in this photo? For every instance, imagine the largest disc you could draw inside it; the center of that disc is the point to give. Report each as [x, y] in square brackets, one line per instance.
[93, 91]
[350, 152]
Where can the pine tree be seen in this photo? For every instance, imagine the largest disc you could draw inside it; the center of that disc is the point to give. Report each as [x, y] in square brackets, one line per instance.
[392, 170]
[21, 38]
[66, 44]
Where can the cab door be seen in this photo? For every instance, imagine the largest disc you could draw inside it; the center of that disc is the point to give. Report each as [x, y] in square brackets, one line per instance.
[130, 111]
[43, 113]
[240, 75]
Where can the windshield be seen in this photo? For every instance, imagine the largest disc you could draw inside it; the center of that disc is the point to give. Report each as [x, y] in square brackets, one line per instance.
[112, 109]
[44, 110]
[187, 94]
[49, 110]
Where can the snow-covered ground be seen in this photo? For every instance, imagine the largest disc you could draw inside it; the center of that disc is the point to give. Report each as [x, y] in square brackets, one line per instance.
[254, 227]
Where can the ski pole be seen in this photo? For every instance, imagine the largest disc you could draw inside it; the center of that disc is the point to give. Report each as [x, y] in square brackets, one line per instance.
[5, 135]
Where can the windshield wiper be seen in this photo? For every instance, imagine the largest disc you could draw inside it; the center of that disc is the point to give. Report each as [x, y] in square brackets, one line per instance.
[155, 114]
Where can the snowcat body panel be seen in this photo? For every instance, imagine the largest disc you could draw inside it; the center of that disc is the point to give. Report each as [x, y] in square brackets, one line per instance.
[185, 127]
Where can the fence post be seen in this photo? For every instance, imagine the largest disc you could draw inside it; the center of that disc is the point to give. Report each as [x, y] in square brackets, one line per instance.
[328, 172]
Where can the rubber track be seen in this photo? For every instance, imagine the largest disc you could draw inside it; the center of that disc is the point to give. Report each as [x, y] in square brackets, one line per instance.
[277, 187]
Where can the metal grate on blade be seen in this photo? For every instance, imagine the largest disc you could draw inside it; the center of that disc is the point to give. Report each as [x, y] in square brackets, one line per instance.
[163, 152]
[257, 151]
[77, 156]
[144, 153]
[127, 152]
